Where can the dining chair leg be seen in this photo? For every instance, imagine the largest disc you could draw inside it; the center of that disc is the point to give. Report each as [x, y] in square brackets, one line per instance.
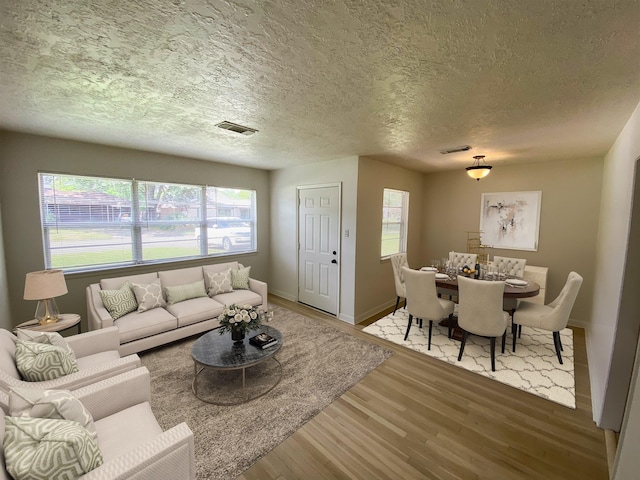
[397, 303]
[462, 342]
[504, 339]
[420, 322]
[514, 332]
[430, 328]
[556, 342]
[519, 331]
[560, 342]
[450, 324]
[408, 327]
[493, 354]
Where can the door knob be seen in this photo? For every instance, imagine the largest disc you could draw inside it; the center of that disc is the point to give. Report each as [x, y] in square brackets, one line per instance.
[334, 261]
[335, 253]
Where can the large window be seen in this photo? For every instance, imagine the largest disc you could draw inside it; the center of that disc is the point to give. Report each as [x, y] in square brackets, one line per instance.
[395, 211]
[90, 223]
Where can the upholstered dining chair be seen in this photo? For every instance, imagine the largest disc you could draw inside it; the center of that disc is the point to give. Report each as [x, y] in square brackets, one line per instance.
[459, 259]
[423, 302]
[511, 266]
[480, 312]
[397, 262]
[552, 317]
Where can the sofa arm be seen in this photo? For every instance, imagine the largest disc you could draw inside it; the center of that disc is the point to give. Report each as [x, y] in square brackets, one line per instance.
[89, 343]
[97, 316]
[76, 380]
[169, 455]
[116, 393]
[260, 288]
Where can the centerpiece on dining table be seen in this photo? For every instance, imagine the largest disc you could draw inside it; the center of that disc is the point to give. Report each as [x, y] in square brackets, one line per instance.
[238, 319]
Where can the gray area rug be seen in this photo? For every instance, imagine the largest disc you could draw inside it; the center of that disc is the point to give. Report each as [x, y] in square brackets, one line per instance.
[319, 364]
[533, 368]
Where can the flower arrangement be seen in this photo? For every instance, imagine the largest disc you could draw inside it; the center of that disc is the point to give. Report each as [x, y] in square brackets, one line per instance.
[239, 318]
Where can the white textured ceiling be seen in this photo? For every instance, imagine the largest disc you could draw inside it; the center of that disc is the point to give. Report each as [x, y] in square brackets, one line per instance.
[519, 80]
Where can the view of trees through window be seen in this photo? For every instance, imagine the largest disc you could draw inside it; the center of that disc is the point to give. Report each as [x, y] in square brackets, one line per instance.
[395, 209]
[91, 222]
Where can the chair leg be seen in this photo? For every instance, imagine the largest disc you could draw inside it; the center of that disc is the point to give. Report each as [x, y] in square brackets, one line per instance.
[514, 333]
[504, 339]
[493, 354]
[462, 342]
[450, 324]
[420, 321]
[397, 303]
[560, 342]
[408, 327]
[519, 331]
[556, 342]
[430, 328]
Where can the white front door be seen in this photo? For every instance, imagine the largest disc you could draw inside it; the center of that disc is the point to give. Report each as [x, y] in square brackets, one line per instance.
[318, 247]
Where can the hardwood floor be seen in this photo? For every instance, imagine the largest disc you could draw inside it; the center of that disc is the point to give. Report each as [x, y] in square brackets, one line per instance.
[415, 417]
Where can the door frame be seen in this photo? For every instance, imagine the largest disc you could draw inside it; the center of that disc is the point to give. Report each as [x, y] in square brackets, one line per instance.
[299, 188]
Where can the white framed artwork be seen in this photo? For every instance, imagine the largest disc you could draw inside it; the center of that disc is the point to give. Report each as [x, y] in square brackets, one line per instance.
[510, 220]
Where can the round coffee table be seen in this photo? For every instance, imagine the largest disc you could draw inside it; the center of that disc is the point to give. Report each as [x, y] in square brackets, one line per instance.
[219, 353]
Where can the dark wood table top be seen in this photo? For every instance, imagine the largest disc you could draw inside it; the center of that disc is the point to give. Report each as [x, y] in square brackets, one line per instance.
[530, 290]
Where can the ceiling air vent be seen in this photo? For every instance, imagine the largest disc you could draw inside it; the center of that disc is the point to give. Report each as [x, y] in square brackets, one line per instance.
[461, 148]
[234, 127]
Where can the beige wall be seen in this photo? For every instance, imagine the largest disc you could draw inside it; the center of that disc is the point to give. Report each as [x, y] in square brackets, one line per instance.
[22, 156]
[284, 225]
[375, 288]
[568, 223]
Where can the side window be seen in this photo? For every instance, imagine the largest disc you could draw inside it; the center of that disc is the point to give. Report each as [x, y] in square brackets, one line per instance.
[395, 210]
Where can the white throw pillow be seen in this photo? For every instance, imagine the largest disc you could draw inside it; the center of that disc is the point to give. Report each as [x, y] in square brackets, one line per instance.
[219, 282]
[149, 295]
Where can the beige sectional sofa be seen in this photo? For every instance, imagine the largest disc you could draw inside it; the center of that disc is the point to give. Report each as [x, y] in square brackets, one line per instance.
[143, 329]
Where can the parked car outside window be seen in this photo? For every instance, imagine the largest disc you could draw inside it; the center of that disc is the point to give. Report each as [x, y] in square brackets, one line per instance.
[227, 232]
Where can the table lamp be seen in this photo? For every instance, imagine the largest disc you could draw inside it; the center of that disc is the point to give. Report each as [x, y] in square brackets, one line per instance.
[44, 286]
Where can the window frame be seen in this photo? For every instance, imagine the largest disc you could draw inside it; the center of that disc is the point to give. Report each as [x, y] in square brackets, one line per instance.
[137, 230]
[402, 222]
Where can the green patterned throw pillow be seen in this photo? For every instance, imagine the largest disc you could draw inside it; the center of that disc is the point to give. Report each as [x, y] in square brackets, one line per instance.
[149, 296]
[56, 404]
[219, 282]
[48, 338]
[240, 278]
[38, 362]
[44, 448]
[180, 293]
[119, 302]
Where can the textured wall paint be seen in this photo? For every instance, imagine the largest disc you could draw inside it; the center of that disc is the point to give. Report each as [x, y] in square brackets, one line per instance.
[519, 80]
[22, 156]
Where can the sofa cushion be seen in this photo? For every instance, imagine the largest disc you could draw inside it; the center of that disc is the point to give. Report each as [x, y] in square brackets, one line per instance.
[121, 432]
[117, 282]
[119, 302]
[240, 278]
[60, 404]
[134, 326]
[180, 293]
[195, 310]
[148, 295]
[43, 448]
[219, 282]
[38, 362]
[180, 276]
[239, 296]
[48, 338]
[8, 353]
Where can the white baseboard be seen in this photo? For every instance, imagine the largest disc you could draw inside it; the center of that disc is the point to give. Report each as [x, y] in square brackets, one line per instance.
[284, 295]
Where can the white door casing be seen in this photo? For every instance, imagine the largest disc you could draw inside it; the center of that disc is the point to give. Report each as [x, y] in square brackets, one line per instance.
[318, 247]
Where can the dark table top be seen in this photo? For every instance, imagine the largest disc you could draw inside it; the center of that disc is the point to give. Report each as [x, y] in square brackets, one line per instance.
[219, 351]
[530, 290]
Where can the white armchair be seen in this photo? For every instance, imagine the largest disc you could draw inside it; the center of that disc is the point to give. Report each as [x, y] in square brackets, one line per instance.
[397, 262]
[552, 317]
[132, 443]
[96, 355]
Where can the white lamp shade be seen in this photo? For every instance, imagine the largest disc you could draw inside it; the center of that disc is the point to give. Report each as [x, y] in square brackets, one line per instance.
[44, 284]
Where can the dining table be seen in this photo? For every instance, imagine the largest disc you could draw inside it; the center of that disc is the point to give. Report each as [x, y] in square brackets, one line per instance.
[448, 285]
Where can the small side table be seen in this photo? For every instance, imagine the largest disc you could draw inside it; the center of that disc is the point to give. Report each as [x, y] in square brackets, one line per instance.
[65, 320]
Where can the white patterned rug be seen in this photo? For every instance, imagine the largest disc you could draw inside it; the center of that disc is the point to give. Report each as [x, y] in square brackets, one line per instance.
[533, 368]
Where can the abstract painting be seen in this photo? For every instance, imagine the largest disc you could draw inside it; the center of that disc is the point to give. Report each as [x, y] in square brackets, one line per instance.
[510, 220]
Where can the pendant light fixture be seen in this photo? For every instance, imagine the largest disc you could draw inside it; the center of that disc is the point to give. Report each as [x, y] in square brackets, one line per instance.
[478, 170]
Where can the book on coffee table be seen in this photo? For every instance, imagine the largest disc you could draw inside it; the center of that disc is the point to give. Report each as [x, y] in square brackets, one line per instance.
[263, 340]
